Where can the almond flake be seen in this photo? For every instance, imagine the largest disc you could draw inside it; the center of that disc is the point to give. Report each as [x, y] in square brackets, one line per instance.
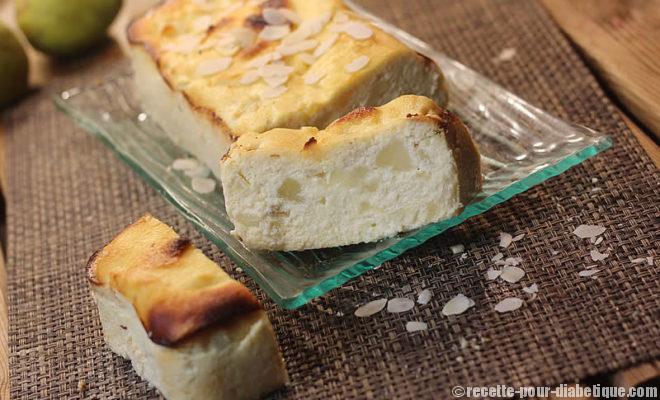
[274, 32]
[275, 70]
[273, 16]
[400, 304]
[185, 164]
[505, 239]
[298, 47]
[243, 37]
[340, 17]
[184, 44]
[588, 231]
[250, 77]
[497, 257]
[358, 30]
[492, 274]
[370, 308]
[263, 60]
[598, 256]
[415, 326]
[201, 171]
[326, 45]
[587, 273]
[512, 274]
[290, 15]
[508, 304]
[307, 58]
[312, 78]
[273, 92]
[357, 64]
[518, 237]
[203, 185]
[424, 296]
[457, 305]
[213, 66]
[307, 28]
[276, 80]
[457, 248]
[598, 241]
[533, 288]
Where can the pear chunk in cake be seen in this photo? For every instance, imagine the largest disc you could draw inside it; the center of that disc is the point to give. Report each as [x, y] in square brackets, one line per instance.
[188, 328]
[369, 175]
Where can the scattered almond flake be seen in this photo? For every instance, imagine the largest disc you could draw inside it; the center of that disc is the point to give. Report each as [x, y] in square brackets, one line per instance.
[298, 47]
[415, 326]
[518, 237]
[400, 304]
[273, 92]
[290, 15]
[649, 260]
[275, 70]
[588, 272]
[508, 304]
[326, 45]
[463, 256]
[312, 78]
[274, 32]
[371, 308]
[250, 77]
[588, 231]
[505, 239]
[277, 80]
[274, 16]
[457, 248]
[512, 274]
[185, 164]
[594, 180]
[598, 241]
[203, 185]
[357, 64]
[463, 342]
[597, 255]
[497, 257]
[201, 171]
[307, 28]
[505, 55]
[358, 30]
[142, 117]
[424, 296]
[243, 37]
[513, 261]
[492, 274]
[202, 23]
[339, 314]
[638, 260]
[307, 58]
[554, 252]
[457, 305]
[531, 289]
[213, 66]
[106, 116]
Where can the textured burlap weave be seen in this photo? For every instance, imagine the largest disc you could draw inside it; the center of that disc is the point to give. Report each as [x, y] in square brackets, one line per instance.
[68, 194]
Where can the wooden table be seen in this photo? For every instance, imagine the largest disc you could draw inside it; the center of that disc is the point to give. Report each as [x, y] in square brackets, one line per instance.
[620, 41]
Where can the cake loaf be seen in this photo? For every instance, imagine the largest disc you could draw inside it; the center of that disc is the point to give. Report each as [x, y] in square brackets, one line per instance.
[209, 71]
[369, 175]
[187, 327]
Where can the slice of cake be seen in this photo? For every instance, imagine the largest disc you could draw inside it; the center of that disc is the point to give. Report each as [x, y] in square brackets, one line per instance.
[188, 328]
[369, 175]
[209, 71]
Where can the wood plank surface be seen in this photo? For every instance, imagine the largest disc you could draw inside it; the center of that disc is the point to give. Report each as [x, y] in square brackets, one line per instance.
[621, 39]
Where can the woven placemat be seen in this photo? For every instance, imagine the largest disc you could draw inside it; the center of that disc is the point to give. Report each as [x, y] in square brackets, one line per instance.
[68, 195]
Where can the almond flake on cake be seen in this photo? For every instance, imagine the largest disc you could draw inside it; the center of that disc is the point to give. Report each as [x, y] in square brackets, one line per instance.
[272, 33]
[213, 66]
[312, 78]
[357, 30]
[297, 47]
[273, 92]
[326, 45]
[357, 64]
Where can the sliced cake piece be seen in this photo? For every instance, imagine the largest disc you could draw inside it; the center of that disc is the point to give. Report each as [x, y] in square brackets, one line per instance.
[187, 327]
[369, 175]
[208, 71]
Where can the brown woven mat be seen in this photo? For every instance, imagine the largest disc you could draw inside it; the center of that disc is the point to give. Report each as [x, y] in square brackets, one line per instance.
[68, 195]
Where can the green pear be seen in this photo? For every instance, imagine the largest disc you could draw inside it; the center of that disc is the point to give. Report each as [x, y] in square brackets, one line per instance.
[14, 67]
[66, 28]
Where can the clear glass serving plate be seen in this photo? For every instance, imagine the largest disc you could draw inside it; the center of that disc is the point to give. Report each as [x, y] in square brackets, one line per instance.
[521, 147]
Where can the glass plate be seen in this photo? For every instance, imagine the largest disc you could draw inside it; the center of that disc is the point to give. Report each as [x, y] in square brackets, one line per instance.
[521, 147]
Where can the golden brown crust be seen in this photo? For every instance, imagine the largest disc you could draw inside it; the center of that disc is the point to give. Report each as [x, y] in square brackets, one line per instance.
[175, 290]
[175, 320]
